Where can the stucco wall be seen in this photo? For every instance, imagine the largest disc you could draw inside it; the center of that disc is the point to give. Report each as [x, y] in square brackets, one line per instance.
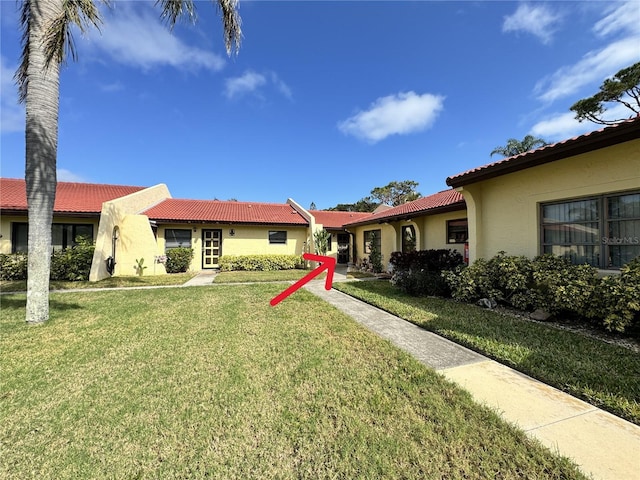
[504, 211]
[136, 239]
[247, 240]
[435, 231]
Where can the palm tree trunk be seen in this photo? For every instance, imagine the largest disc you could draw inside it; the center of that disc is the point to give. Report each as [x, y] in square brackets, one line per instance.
[42, 103]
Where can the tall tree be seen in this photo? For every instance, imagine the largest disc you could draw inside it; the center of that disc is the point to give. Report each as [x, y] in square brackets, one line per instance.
[516, 147]
[396, 193]
[46, 38]
[622, 89]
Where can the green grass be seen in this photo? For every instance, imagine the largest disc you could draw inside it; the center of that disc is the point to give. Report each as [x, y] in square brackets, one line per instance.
[602, 374]
[272, 276]
[112, 282]
[214, 382]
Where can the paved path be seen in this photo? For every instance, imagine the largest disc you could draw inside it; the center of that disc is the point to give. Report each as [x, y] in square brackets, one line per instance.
[602, 444]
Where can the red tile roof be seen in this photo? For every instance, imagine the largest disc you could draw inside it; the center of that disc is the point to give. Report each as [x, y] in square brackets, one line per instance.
[445, 200]
[604, 137]
[179, 210]
[71, 197]
[336, 219]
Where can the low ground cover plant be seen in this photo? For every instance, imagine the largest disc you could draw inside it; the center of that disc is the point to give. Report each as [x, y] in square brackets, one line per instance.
[216, 383]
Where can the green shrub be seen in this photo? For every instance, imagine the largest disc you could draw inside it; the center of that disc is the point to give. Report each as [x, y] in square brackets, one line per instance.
[419, 272]
[468, 284]
[178, 259]
[560, 286]
[73, 264]
[616, 300]
[13, 266]
[260, 262]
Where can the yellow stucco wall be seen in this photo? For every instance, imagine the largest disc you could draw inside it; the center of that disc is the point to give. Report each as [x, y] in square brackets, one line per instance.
[7, 221]
[504, 212]
[247, 240]
[136, 239]
[431, 233]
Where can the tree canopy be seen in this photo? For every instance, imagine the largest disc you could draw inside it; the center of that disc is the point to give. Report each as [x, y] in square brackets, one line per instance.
[393, 194]
[516, 147]
[621, 89]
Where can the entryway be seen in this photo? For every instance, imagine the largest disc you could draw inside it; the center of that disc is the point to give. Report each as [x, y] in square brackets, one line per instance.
[211, 248]
[343, 247]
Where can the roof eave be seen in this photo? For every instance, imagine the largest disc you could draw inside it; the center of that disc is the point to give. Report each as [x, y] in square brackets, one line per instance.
[408, 216]
[591, 142]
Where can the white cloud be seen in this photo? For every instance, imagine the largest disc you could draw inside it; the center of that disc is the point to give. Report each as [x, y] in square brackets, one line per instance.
[251, 82]
[398, 114]
[595, 66]
[116, 86]
[564, 125]
[624, 17]
[537, 20]
[248, 82]
[68, 176]
[12, 116]
[136, 36]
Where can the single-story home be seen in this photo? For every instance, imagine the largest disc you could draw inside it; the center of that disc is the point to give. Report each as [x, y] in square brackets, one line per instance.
[432, 222]
[579, 198]
[129, 223]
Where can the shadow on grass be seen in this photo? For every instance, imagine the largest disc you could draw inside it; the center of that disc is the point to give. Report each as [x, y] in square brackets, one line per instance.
[14, 303]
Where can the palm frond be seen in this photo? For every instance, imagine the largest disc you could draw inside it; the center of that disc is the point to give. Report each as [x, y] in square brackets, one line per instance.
[173, 10]
[232, 25]
[58, 39]
[20, 76]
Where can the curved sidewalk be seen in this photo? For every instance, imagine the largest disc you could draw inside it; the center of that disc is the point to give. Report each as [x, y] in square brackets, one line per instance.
[600, 443]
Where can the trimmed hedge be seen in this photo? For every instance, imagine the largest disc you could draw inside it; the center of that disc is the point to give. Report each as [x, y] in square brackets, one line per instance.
[13, 266]
[178, 259]
[260, 262]
[555, 285]
[419, 272]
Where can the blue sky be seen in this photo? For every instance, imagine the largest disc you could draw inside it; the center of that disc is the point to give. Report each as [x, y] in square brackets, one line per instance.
[325, 100]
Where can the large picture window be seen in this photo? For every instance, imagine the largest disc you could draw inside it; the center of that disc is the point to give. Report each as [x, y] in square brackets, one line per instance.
[602, 231]
[372, 237]
[176, 238]
[457, 231]
[277, 236]
[63, 235]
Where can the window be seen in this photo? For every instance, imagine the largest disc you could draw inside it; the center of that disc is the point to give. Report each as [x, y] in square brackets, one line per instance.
[277, 236]
[372, 237]
[408, 239]
[176, 238]
[602, 231]
[63, 235]
[457, 231]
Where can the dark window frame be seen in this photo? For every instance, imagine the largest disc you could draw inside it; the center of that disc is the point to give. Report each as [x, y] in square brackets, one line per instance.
[276, 237]
[605, 243]
[457, 238]
[67, 232]
[180, 243]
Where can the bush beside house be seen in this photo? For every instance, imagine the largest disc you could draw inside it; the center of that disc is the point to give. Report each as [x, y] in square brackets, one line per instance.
[260, 262]
[555, 285]
[178, 259]
[420, 272]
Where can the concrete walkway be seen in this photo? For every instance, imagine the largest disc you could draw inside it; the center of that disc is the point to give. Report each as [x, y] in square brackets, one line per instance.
[600, 443]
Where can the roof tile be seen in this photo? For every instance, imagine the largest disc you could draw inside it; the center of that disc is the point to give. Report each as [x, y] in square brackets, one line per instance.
[181, 210]
[71, 197]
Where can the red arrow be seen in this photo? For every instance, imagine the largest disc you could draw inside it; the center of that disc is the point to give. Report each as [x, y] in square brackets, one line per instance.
[328, 264]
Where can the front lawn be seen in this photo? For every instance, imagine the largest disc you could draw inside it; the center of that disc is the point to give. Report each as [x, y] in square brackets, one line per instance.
[605, 375]
[111, 282]
[214, 382]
